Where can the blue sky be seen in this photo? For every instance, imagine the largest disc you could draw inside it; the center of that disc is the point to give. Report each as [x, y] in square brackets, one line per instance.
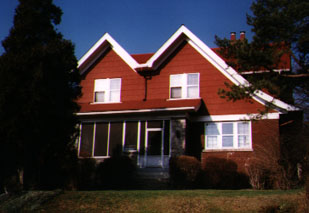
[140, 26]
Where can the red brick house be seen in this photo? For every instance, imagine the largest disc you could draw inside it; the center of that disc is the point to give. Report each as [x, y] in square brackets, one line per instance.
[155, 106]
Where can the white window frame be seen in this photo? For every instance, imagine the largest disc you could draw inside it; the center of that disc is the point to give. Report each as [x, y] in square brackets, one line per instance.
[182, 83]
[235, 137]
[104, 85]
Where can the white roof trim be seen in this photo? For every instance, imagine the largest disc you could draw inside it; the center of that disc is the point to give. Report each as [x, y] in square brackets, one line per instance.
[115, 46]
[236, 117]
[264, 71]
[136, 111]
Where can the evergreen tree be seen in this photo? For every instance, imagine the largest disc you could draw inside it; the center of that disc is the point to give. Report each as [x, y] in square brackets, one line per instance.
[280, 27]
[39, 84]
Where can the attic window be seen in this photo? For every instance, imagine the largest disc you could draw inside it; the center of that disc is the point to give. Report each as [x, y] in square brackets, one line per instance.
[184, 86]
[107, 90]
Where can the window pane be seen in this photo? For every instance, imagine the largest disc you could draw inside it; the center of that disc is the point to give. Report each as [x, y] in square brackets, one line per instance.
[227, 141]
[243, 128]
[227, 128]
[131, 136]
[175, 80]
[99, 97]
[192, 92]
[212, 129]
[192, 79]
[115, 141]
[212, 141]
[101, 85]
[243, 141]
[115, 96]
[115, 84]
[176, 92]
[86, 140]
[101, 136]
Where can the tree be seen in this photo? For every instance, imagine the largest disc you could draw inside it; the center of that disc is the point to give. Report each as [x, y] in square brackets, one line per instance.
[281, 29]
[39, 84]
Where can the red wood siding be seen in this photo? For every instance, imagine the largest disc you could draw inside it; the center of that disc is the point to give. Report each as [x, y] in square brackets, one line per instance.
[265, 134]
[184, 60]
[188, 60]
[112, 66]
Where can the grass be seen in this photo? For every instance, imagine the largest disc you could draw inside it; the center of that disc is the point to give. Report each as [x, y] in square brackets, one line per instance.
[178, 201]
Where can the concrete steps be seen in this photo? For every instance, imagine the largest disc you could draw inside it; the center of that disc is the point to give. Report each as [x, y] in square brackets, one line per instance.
[153, 178]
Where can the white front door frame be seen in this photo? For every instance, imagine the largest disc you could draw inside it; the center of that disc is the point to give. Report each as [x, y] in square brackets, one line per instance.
[147, 157]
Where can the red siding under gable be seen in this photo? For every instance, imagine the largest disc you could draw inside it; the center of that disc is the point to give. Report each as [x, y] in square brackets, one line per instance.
[187, 60]
[184, 60]
[110, 65]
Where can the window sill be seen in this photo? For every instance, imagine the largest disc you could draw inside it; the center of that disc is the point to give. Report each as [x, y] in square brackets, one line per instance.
[229, 150]
[94, 157]
[182, 99]
[106, 102]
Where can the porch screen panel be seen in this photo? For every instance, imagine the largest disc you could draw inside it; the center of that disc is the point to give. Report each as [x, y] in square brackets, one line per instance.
[131, 136]
[115, 141]
[101, 139]
[166, 137]
[142, 139]
[86, 141]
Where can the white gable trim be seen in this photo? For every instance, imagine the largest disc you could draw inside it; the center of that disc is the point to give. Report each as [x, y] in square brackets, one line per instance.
[105, 40]
[166, 46]
[236, 117]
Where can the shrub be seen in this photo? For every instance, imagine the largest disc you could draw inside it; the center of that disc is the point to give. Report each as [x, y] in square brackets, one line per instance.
[307, 191]
[219, 173]
[184, 171]
[266, 170]
[86, 174]
[116, 173]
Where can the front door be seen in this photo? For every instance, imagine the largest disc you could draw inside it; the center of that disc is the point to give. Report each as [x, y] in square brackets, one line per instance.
[154, 151]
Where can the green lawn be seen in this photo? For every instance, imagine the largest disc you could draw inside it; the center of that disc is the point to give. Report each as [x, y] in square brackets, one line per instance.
[175, 201]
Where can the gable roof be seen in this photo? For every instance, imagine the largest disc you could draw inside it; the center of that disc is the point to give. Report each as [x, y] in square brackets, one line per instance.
[137, 62]
[102, 46]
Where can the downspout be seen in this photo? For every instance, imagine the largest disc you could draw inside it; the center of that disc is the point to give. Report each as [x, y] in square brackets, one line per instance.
[146, 86]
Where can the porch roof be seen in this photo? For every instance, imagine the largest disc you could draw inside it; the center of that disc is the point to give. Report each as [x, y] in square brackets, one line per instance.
[156, 105]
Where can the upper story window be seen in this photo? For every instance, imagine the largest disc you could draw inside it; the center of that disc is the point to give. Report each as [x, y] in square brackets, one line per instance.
[184, 86]
[107, 90]
[228, 135]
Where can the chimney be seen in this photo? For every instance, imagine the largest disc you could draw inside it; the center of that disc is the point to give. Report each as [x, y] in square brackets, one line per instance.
[242, 35]
[233, 36]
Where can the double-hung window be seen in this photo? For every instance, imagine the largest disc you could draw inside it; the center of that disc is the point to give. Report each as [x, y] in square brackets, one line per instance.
[184, 86]
[228, 135]
[107, 90]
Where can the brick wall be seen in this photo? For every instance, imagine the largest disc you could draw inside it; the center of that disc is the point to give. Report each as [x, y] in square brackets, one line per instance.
[265, 135]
